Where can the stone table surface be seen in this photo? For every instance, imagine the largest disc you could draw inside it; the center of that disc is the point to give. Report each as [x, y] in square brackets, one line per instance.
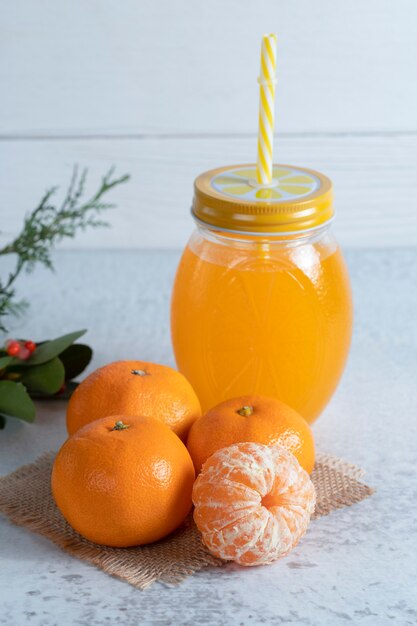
[356, 566]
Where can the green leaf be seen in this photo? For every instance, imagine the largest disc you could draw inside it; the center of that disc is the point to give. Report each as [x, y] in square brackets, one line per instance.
[15, 401]
[2, 422]
[75, 359]
[50, 349]
[66, 394]
[5, 361]
[45, 378]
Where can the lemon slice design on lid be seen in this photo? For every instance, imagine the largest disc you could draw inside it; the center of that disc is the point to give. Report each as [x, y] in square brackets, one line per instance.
[230, 198]
[287, 184]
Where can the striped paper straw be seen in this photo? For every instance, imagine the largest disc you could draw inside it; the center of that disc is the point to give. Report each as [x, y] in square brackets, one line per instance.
[266, 109]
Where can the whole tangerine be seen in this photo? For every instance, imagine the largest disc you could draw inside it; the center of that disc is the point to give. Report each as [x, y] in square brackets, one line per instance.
[123, 481]
[253, 503]
[251, 418]
[135, 388]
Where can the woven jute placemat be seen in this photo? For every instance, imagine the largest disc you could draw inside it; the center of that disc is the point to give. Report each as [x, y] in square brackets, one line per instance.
[25, 497]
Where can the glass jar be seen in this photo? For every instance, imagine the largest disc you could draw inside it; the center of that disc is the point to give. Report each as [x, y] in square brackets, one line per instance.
[261, 301]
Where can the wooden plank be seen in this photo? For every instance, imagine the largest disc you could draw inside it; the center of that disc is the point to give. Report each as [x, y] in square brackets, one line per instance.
[375, 183]
[178, 67]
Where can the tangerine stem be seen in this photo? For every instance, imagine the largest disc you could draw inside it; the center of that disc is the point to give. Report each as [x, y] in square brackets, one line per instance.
[119, 425]
[140, 373]
[245, 411]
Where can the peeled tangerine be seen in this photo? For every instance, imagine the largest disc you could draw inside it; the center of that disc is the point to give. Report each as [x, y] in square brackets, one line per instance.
[253, 503]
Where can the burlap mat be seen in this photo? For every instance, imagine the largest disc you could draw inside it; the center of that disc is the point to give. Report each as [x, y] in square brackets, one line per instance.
[25, 497]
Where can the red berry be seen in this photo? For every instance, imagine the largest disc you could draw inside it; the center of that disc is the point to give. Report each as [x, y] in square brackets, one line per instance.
[23, 353]
[13, 347]
[31, 346]
[61, 389]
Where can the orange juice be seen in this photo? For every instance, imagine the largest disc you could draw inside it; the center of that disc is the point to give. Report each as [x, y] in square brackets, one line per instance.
[260, 313]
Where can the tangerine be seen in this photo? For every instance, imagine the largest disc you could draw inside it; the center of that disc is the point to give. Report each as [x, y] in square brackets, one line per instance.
[135, 388]
[251, 418]
[252, 503]
[123, 481]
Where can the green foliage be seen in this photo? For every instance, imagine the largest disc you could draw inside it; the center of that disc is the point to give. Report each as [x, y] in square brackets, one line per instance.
[46, 378]
[53, 365]
[75, 359]
[46, 226]
[50, 349]
[15, 401]
[64, 394]
[47, 373]
[5, 361]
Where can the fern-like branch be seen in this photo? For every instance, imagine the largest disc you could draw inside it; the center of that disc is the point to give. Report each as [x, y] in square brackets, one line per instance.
[47, 225]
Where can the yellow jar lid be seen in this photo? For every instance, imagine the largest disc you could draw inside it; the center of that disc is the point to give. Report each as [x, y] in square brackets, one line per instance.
[229, 198]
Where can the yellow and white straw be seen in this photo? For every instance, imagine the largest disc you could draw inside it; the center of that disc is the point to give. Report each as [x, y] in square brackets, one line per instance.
[266, 109]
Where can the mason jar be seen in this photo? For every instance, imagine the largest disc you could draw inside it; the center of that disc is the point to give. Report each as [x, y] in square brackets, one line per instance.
[261, 301]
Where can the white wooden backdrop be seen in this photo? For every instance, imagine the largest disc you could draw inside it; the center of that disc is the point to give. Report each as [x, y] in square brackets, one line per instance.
[166, 89]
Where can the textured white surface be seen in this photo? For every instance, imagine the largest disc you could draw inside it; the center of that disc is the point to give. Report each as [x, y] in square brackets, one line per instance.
[168, 67]
[374, 178]
[165, 90]
[356, 566]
